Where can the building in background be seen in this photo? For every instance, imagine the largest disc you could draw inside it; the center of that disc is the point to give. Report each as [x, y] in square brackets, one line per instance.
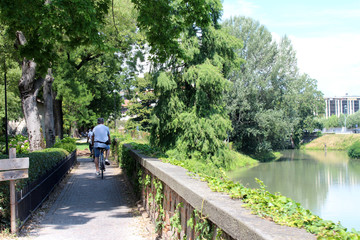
[341, 105]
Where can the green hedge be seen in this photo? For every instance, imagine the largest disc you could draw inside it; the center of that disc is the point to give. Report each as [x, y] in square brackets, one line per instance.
[69, 144]
[40, 162]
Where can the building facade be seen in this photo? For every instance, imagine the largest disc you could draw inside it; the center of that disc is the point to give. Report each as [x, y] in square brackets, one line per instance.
[341, 105]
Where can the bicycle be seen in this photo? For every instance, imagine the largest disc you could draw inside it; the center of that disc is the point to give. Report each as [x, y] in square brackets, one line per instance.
[102, 162]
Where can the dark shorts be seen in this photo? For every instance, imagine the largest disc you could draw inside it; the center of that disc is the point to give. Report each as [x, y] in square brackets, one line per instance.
[97, 150]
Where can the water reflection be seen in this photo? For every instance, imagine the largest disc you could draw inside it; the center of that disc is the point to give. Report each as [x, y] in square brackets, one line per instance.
[319, 181]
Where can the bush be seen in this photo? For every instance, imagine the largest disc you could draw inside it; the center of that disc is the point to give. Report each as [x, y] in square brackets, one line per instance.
[40, 162]
[20, 142]
[354, 150]
[69, 144]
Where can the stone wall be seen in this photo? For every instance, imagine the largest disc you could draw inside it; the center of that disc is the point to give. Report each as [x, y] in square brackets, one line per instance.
[184, 207]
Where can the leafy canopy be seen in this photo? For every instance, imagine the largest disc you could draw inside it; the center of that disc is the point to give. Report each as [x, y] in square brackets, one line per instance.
[191, 56]
[48, 23]
[270, 103]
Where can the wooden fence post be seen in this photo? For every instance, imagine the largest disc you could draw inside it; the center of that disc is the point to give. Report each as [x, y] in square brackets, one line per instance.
[12, 169]
[12, 154]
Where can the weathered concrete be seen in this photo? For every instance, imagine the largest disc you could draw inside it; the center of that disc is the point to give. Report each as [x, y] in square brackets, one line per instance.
[226, 213]
[91, 208]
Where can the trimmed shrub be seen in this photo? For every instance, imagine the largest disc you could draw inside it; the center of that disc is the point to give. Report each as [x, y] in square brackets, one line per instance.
[354, 150]
[40, 162]
[69, 144]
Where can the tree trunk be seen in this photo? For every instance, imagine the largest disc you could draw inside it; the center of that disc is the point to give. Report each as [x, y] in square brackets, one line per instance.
[29, 88]
[74, 131]
[58, 117]
[49, 112]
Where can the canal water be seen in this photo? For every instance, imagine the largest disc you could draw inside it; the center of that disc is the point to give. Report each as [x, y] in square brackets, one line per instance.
[328, 184]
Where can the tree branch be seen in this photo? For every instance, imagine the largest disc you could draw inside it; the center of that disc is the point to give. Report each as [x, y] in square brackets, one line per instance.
[88, 58]
[20, 39]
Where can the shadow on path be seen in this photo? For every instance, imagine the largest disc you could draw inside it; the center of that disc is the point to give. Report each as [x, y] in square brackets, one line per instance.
[91, 208]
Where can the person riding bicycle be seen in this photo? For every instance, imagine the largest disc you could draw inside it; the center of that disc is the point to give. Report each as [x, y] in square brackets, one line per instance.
[101, 139]
[89, 140]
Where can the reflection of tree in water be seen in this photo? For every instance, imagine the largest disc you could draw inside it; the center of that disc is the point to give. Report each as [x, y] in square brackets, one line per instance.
[304, 176]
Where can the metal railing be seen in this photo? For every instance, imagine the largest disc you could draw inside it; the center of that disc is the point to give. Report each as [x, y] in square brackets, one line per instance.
[34, 194]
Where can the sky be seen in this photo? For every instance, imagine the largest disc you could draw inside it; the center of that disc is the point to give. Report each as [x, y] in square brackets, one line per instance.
[324, 33]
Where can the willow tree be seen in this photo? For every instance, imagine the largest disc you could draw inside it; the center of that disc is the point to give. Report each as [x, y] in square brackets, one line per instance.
[39, 27]
[191, 57]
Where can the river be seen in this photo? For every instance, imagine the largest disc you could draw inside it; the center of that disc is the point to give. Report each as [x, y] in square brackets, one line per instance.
[328, 184]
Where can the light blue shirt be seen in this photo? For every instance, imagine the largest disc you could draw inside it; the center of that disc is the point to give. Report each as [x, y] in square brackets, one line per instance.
[100, 133]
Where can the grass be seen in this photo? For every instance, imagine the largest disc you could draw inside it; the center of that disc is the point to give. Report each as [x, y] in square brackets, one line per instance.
[267, 156]
[241, 160]
[333, 142]
[82, 146]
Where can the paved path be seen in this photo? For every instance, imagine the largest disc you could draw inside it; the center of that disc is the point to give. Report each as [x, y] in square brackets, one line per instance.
[91, 208]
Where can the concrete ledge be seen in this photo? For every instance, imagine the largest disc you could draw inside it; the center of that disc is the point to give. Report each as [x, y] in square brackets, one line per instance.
[226, 213]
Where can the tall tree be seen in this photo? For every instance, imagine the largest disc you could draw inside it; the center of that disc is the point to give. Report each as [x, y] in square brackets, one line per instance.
[39, 26]
[90, 78]
[270, 103]
[191, 56]
[141, 104]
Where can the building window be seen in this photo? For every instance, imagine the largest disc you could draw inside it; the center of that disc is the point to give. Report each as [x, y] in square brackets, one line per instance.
[332, 107]
[345, 109]
[356, 105]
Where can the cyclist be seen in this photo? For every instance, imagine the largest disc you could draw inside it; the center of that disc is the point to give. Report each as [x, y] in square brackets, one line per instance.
[101, 139]
[89, 140]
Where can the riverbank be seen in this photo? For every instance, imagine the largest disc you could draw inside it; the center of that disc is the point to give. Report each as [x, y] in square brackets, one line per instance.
[332, 142]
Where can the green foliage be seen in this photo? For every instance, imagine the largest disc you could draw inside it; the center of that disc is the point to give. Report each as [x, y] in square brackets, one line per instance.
[267, 156]
[175, 221]
[141, 105]
[194, 121]
[10, 68]
[203, 226]
[67, 143]
[164, 22]
[331, 122]
[353, 120]
[191, 56]
[194, 165]
[45, 25]
[4, 205]
[40, 163]
[354, 150]
[20, 142]
[334, 121]
[281, 209]
[270, 103]
[89, 79]
[158, 199]
[276, 207]
[88, 92]
[82, 146]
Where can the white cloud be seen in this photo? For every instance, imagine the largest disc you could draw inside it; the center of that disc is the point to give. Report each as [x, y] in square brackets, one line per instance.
[238, 7]
[333, 61]
[340, 13]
